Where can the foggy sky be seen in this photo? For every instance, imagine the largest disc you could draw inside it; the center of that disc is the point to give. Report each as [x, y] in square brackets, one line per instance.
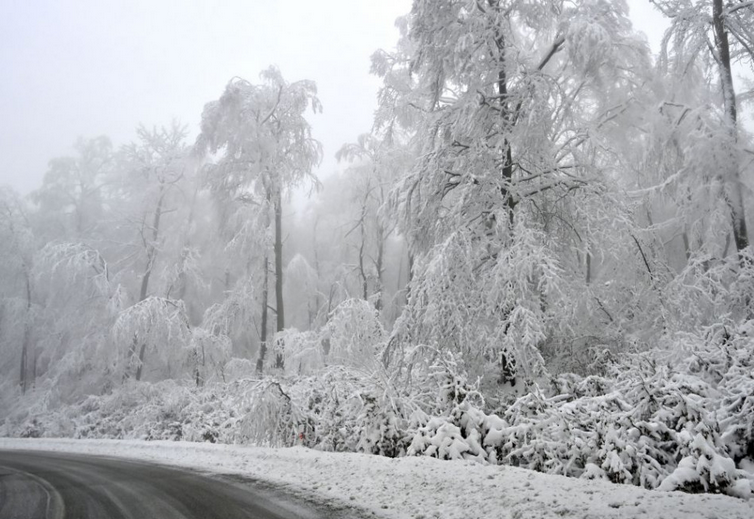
[86, 67]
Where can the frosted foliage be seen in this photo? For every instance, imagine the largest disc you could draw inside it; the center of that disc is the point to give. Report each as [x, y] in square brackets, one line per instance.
[354, 332]
[15, 257]
[536, 258]
[648, 426]
[157, 325]
[709, 292]
[645, 424]
[588, 44]
[467, 303]
[518, 116]
[75, 302]
[75, 266]
[207, 356]
[271, 419]
[301, 285]
[71, 196]
[261, 135]
[352, 337]
[244, 225]
[687, 40]
[302, 351]
[187, 269]
[237, 307]
[15, 232]
[339, 410]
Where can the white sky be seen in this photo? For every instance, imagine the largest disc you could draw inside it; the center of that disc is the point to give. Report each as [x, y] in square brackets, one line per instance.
[91, 67]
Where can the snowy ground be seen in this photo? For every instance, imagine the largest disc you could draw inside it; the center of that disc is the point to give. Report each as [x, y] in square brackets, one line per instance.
[414, 488]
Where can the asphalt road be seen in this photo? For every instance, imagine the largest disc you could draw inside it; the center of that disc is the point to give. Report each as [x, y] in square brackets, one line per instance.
[35, 485]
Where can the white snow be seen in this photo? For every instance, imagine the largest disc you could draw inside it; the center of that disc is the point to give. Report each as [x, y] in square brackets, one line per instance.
[414, 487]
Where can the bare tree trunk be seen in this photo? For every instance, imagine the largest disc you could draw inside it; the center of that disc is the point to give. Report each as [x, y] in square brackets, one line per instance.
[279, 303]
[362, 246]
[197, 372]
[182, 277]
[732, 178]
[588, 266]
[131, 354]
[379, 266]
[265, 293]
[27, 336]
[686, 244]
[151, 257]
[410, 266]
[507, 368]
[152, 247]
[140, 366]
[362, 271]
[380, 263]
[316, 269]
[399, 285]
[502, 90]
[265, 311]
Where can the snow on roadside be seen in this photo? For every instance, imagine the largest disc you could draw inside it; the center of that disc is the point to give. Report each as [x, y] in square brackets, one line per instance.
[415, 487]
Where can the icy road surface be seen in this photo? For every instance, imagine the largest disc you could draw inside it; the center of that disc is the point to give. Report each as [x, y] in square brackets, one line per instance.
[41, 485]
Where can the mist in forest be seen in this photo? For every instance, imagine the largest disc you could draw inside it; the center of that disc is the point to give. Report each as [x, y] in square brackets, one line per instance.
[513, 232]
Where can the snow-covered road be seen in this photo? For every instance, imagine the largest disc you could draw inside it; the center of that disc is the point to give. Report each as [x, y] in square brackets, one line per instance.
[413, 488]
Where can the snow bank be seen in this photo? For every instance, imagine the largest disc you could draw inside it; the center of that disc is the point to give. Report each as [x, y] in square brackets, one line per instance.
[414, 487]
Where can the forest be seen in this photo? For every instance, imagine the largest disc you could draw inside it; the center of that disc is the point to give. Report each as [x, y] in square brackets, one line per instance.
[538, 256]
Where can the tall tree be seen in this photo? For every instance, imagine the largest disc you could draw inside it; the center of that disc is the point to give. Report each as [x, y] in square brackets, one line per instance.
[153, 172]
[515, 104]
[15, 280]
[716, 36]
[72, 196]
[155, 168]
[376, 163]
[160, 327]
[264, 145]
[77, 302]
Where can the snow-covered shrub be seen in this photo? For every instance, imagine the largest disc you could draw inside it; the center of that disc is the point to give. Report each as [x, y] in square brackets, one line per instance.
[712, 292]
[646, 425]
[301, 351]
[352, 410]
[737, 412]
[468, 433]
[351, 337]
[458, 429]
[705, 469]
[382, 428]
[155, 327]
[353, 333]
[237, 369]
[272, 418]
[206, 356]
[484, 304]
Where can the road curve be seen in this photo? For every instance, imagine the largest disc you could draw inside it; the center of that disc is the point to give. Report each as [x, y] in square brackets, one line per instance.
[40, 485]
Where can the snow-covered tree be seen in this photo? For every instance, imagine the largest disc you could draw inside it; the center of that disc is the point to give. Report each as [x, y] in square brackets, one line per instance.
[77, 301]
[156, 329]
[263, 146]
[152, 185]
[301, 289]
[72, 196]
[713, 36]
[376, 164]
[519, 107]
[15, 279]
